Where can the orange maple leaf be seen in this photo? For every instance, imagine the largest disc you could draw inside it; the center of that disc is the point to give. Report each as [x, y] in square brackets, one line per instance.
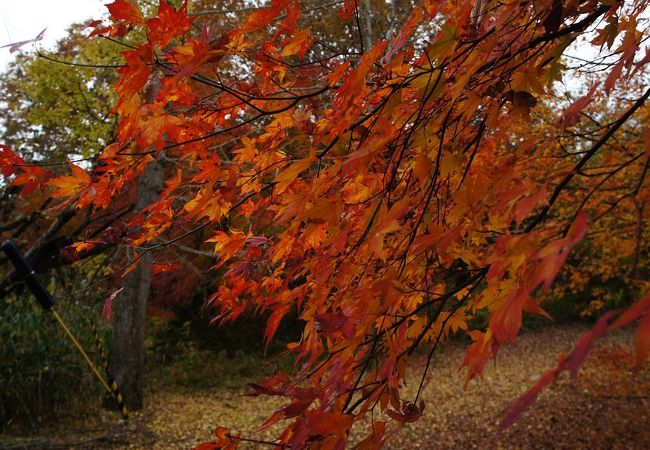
[227, 245]
[263, 17]
[136, 72]
[286, 177]
[69, 185]
[125, 11]
[298, 44]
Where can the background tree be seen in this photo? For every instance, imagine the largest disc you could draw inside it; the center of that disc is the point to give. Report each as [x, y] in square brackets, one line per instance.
[59, 109]
[53, 111]
[56, 110]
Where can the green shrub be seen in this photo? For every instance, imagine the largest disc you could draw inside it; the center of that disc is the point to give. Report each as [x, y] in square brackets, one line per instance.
[41, 373]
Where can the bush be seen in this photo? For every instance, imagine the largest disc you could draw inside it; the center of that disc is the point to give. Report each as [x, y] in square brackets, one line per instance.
[192, 325]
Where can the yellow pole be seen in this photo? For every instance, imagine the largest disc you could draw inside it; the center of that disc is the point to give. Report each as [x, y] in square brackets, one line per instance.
[88, 360]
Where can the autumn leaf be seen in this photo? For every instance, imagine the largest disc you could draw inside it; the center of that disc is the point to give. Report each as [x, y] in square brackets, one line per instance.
[642, 340]
[571, 115]
[156, 127]
[298, 44]
[347, 10]
[168, 24]
[31, 179]
[227, 245]
[136, 73]
[410, 412]
[522, 102]
[69, 185]
[195, 52]
[224, 439]
[263, 17]
[390, 192]
[405, 33]
[337, 73]
[289, 174]
[374, 440]
[84, 246]
[505, 322]
[126, 11]
[554, 254]
[107, 310]
[15, 46]
[9, 161]
[638, 309]
[29, 176]
[478, 353]
[527, 399]
[273, 323]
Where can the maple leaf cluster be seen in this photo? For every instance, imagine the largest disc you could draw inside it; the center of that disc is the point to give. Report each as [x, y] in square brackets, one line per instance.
[386, 196]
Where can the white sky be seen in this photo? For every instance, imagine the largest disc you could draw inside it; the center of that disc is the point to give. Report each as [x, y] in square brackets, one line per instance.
[24, 19]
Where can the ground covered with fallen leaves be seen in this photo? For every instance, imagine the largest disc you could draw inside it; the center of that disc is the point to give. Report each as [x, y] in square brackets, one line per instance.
[607, 408]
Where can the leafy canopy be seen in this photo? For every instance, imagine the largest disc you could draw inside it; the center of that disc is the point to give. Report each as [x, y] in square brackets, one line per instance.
[387, 191]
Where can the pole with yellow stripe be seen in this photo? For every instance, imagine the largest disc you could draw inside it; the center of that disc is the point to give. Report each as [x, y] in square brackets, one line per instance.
[115, 391]
[46, 301]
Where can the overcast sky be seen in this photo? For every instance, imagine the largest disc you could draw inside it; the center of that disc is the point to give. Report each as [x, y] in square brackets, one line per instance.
[24, 19]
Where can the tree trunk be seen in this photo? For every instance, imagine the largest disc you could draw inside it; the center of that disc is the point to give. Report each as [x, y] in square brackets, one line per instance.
[127, 357]
[368, 34]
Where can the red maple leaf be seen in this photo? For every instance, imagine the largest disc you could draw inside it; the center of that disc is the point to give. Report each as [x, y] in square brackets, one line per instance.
[168, 24]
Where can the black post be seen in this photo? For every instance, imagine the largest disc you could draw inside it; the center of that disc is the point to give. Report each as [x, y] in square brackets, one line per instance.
[27, 273]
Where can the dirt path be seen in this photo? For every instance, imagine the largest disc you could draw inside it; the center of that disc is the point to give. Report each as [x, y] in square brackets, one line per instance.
[608, 408]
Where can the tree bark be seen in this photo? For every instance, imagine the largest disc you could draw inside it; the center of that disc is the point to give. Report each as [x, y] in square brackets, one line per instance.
[127, 357]
[368, 37]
